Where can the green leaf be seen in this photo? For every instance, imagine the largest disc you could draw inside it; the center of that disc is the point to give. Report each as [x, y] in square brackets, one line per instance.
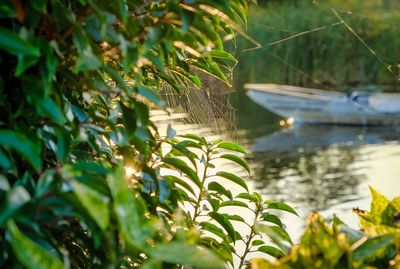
[7, 10]
[116, 77]
[24, 62]
[248, 196]
[257, 242]
[151, 263]
[272, 204]
[196, 81]
[378, 206]
[225, 223]
[234, 203]
[151, 96]
[14, 44]
[221, 54]
[272, 219]
[371, 246]
[215, 186]
[94, 202]
[214, 229]
[63, 144]
[184, 168]
[275, 232]
[4, 160]
[201, 140]
[273, 251]
[236, 218]
[186, 254]
[129, 116]
[212, 69]
[187, 19]
[130, 211]
[237, 160]
[231, 146]
[19, 142]
[86, 59]
[234, 178]
[48, 108]
[180, 182]
[188, 144]
[29, 253]
[15, 199]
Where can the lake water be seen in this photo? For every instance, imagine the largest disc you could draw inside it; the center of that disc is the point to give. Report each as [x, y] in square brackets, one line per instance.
[311, 167]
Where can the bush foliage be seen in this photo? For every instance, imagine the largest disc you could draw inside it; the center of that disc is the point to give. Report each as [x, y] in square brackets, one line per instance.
[83, 168]
[376, 245]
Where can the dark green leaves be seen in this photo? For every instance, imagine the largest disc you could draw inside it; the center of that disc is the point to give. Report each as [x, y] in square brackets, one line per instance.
[371, 247]
[27, 148]
[14, 200]
[29, 253]
[79, 79]
[86, 60]
[14, 43]
[49, 108]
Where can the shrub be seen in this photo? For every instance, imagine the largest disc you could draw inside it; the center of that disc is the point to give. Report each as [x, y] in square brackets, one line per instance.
[81, 179]
[376, 245]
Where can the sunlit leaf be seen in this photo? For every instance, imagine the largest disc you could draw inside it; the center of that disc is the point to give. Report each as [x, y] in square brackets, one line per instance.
[184, 168]
[270, 250]
[231, 146]
[237, 160]
[272, 219]
[224, 222]
[186, 254]
[234, 203]
[94, 202]
[215, 186]
[234, 178]
[29, 253]
[271, 204]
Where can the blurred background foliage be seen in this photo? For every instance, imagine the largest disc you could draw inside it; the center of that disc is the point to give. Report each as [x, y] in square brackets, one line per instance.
[304, 43]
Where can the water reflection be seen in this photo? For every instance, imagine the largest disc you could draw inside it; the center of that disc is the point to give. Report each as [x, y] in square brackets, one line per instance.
[315, 167]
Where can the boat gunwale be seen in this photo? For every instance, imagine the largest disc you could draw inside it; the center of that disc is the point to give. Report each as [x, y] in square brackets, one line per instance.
[270, 87]
[307, 96]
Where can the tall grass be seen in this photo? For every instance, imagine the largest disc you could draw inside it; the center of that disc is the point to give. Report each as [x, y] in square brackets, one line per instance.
[326, 54]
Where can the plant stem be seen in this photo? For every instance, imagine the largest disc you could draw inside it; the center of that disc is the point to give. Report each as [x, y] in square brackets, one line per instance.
[250, 239]
[202, 191]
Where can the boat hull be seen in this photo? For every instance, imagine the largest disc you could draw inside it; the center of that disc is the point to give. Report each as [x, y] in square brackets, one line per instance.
[314, 106]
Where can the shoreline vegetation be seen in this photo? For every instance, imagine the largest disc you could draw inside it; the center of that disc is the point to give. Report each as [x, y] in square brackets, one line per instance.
[322, 44]
[88, 181]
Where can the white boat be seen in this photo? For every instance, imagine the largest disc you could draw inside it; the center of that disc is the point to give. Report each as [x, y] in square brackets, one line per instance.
[318, 106]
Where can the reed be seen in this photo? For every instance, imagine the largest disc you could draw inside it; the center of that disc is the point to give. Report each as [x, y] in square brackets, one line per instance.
[304, 43]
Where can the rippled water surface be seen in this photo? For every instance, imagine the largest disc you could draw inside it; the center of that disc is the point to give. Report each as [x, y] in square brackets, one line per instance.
[326, 168]
[311, 167]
